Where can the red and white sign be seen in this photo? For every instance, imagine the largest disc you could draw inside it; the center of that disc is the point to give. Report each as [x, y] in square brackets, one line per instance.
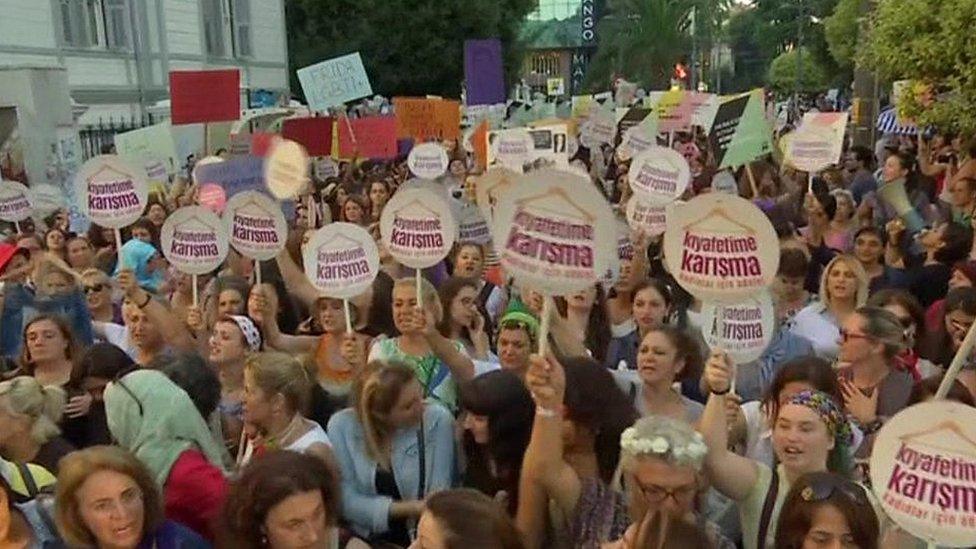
[111, 192]
[720, 248]
[194, 240]
[256, 225]
[341, 260]
[418, 227]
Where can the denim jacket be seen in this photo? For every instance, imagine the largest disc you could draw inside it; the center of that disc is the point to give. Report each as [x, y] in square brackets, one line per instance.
[367, 511]
[21, 304]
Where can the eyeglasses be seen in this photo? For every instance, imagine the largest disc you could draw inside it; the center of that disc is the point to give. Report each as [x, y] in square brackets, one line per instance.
[823, 488]
[94, 289]
[656, 494]
[845, 336]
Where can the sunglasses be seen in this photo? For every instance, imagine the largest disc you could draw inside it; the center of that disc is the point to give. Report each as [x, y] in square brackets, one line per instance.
[95, 288]
[823, 488]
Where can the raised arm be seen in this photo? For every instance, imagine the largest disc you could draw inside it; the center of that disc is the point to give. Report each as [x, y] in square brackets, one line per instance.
[296, 281]
[274, 338]
[460, 365]
[173, 331]
[730, 473]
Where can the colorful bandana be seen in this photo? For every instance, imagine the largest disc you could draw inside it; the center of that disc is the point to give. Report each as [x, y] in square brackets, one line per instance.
[251, 333]
[829, 412]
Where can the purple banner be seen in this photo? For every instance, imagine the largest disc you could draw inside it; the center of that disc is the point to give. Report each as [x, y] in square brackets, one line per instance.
[483, 73]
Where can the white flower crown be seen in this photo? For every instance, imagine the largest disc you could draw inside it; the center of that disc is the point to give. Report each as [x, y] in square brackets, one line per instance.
[633, 444]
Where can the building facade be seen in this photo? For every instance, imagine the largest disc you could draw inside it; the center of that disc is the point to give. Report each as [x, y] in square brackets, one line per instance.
[118, 53]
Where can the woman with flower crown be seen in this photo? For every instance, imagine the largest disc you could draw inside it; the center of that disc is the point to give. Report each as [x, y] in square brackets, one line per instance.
[810, 434]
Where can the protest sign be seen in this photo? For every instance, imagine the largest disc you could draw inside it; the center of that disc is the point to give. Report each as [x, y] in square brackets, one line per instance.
[286, 169]
[256, 225]
[551, 230]
[324, 168]
[194, 240]
[426, 119]
[334, 82]
[510, 148]
[648, 219]
[549, 145]
[242, 173]
[341, 260]
[372, 137]
[923, 472]
[724, 182]
[472, 225]
[484, 76]
[743, 330]
[659, 175]
[625, 252]
[720, 248]
[428, 161]
[600, 127]
[818, 142]
[490, 187]
[315, 134]
[555, 87]
[638, 138]
[111, 192]
[150, 144]
[740, 133]
[204, 96]
[418, 227]
[213, 197]
[16, 201]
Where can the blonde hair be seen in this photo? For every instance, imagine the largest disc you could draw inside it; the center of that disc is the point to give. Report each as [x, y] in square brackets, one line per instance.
[279, 373]
[375, 392]
[861, 297]
[97, 274]
[431, 299]
[24, 396]
[75, 468]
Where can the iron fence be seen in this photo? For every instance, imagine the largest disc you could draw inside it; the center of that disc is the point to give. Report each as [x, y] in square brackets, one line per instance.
[100, 138]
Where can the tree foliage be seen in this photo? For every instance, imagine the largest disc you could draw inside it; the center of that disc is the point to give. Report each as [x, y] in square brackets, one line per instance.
[782, 73]
[841, 30]
[931, 42]
[409, 47]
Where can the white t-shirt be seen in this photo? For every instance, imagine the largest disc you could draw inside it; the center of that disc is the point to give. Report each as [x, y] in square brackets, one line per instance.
[117, 335]
[819, 327]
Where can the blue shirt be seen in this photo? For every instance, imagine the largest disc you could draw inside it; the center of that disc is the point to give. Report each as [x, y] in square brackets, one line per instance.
[21, 304]
[753, 378]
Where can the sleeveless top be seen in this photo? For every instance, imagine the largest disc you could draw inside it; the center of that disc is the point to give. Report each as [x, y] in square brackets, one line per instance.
[335, 382]
[314, 435]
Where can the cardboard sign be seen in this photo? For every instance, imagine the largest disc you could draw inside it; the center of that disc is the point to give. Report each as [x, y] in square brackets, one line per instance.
[315, 134]
[923, 472]
[341, 260]
[484, 75]
[646, 218]
[256, 225]
[16, 201]
[659, 175]
[372, 137]
[204, 96]
[818, 142]
[334, 82]
[721, 248]
[286, 169]
[111, 192]
[428, 161]
[427, 119]
[418, 227]
[743, 330]
[149, 144]
[194, 240]
[239, 174]
[740, 133]
[551, 231]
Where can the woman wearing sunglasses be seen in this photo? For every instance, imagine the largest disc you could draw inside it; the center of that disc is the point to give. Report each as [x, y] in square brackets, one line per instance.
[810, 434]
[826, 510]
[98, 295]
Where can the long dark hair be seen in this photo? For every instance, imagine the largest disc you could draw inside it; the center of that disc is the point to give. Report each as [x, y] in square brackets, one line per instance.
[594, 400]
[938, 347]
[807, 369]
[503, 398]
[598, 336]
[448, 292]
[815, 490]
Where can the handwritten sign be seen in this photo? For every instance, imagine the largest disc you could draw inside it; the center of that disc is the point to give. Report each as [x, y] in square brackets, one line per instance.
[286, 169]
[743, 330]
[256, 225]
[428, 161]
[720, 248]
[150, 144]
[649, 219]
[341, 260]
[16, 201]
[194, 240]
[659, 175]
[417, 227]
[923, 472]
[334, 82]
[551, 229]
[204, 96]
[111, 192]
[427, 119]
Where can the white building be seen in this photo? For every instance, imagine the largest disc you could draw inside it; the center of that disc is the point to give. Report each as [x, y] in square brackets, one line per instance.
[118, 53]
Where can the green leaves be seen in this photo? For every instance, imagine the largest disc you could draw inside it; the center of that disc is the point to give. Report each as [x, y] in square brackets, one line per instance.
[782, 73]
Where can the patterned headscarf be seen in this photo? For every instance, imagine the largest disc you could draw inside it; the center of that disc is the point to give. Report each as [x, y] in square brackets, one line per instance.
[829, 413]
[251, 333]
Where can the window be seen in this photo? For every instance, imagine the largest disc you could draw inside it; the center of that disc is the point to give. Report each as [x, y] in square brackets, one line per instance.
[240, 15]
[555, 9]
[213, 27]
[546, 63]
[93, 23]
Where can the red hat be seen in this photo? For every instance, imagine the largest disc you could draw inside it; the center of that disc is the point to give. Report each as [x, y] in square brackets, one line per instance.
[7, 253]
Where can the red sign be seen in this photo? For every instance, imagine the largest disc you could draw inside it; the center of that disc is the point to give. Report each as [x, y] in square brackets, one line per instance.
[261, 143]
[427, 119]
[204, 96]
[371, 137]
[315, 134]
